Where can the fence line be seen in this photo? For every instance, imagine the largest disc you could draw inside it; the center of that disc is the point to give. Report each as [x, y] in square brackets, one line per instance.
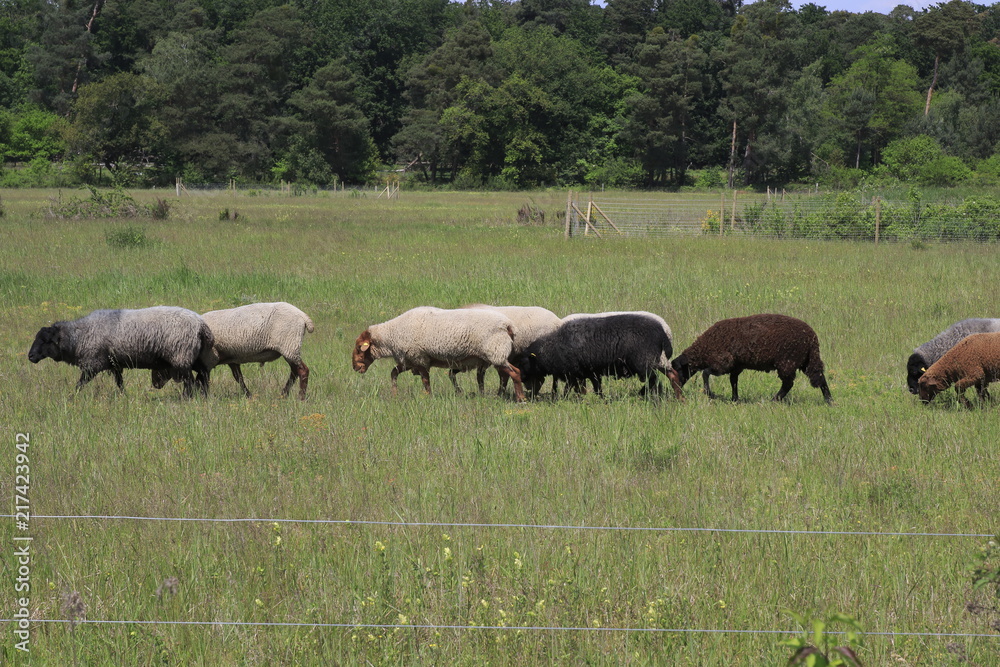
[515, 628]
[436, 524]
[847, 216]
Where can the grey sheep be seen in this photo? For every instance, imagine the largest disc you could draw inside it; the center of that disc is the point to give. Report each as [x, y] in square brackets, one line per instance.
[759, 343]
[578, 386]
[926, 355]
[530, 324]
[162, 338]
[427, 337]
[618, 345]
[255, 333]
[973, 361]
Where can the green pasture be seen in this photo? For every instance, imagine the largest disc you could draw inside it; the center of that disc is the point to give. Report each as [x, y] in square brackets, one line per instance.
[876, 461]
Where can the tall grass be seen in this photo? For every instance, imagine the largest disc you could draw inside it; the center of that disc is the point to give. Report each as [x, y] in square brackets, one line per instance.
[875, 462]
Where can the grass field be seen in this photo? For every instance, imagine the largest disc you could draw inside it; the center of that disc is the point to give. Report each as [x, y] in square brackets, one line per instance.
[876, 461]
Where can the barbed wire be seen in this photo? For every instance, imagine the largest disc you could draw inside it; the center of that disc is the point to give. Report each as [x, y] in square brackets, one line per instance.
[452, 524]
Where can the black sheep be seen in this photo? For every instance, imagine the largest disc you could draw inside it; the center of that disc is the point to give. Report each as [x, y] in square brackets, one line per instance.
[590, 348]
[759, 343]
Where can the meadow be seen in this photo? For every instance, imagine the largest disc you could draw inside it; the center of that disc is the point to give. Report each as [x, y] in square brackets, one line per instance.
[514, 482]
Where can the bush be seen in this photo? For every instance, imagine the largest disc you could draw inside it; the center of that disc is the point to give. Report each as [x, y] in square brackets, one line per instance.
[905, 158]
[127, 237]
[111, 204]
[944, 170]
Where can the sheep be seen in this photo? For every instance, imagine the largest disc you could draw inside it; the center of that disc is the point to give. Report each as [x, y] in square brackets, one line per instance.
[659, 320]
[255, 333]
[974, 360]
[582, 348]
[161, 338]
[758, 342]
[530, 323]
[926, 355]
[426, 337]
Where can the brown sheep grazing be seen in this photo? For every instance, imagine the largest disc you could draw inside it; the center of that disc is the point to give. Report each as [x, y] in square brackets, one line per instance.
[758, 343]
[974, 361]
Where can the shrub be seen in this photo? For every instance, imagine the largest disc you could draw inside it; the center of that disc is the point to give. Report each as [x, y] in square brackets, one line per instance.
[127, 237]
[111, 204]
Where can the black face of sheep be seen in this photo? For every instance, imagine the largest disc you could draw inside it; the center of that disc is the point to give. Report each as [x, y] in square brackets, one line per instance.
[532, 375]
[46, 345]
[915, 368]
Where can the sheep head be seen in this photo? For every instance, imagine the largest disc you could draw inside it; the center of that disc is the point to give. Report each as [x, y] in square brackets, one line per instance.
[682, 370]
[363, 357]
[928, 387]
[47, 345]
[915, 367]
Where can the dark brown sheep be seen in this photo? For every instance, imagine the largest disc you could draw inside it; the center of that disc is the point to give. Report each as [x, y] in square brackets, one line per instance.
[974, 361]
[759, 343]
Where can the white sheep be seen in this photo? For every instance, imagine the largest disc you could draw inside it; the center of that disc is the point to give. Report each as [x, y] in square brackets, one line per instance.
[427, 337]
[530, 324]
[256, 333]
[163, 338]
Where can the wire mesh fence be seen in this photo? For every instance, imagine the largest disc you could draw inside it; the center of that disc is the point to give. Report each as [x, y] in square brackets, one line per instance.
[845, 215]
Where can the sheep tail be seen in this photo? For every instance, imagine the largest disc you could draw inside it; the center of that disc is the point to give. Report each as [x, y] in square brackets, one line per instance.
[309, 325]
[814, 368]
[206, 337]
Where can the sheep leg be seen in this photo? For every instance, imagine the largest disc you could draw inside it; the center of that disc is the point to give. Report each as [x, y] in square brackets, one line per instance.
[85, 377]
[825, 388]
[651, 386]
[117, 372]
[786, 386]
[303, 373]
[202, 380]
[425, 377]
[396, 370]
[734, 381]
[595, 380]
[453, 376]
[188, 379]
[964, 384]
[238, 376]
[705, 375]
[503, 382]
[481, 379]
[515, 375]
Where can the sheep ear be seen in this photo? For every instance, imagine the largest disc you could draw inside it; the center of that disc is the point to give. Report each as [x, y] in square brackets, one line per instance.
[365, 346]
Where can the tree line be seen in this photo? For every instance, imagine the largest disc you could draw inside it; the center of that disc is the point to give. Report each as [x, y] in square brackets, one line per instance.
[499, 94]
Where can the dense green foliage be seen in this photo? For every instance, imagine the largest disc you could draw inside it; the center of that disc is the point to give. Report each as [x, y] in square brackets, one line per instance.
[875, 462]
[496, 93]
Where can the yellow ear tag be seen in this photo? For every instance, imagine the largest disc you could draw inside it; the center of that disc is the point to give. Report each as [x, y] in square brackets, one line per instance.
[365, 346]
[923, 370]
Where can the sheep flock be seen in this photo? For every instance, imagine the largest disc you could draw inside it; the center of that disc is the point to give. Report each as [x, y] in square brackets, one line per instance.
[525, 344]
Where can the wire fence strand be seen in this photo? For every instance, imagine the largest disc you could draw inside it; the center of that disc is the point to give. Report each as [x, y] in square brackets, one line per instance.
[508, 628]
[536, 526]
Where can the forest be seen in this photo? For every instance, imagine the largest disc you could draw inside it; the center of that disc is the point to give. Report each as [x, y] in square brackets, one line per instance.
[497, 94]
